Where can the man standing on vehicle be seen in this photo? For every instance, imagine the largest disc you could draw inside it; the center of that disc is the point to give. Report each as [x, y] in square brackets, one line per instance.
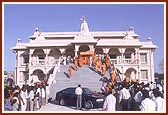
[78, 92]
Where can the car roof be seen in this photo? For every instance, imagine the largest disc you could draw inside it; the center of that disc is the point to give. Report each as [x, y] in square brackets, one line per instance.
[76, 87]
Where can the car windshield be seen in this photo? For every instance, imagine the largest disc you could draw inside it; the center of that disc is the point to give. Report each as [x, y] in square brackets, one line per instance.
[88, 91]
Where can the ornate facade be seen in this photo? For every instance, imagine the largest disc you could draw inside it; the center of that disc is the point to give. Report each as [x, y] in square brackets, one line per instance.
[130, 56]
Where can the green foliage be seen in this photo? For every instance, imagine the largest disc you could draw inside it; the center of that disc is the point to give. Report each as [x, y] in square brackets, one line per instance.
[5, 73]
[161, 65]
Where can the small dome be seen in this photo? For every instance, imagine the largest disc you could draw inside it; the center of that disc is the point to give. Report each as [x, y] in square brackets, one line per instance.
[131, 28]
[19, 40]
[149, 39]
[36, 29]
[37, 32]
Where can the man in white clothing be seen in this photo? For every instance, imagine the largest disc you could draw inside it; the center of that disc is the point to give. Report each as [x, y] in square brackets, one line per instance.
[31, 97]
[110, 102]
[159, 102]
[23, 98]
[78, 92]
[147, 104]
[124, 96]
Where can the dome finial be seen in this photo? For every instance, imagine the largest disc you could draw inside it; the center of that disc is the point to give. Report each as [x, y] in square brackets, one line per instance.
[37, 32]
[19, 40]
[149, 39]
[131, 28]
[83, 18]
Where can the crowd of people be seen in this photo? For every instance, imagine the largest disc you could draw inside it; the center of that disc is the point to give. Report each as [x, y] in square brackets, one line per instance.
[133, 96]
[25, 98]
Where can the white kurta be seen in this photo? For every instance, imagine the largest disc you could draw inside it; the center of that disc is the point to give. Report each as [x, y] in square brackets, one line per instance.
[159, 104]
[124, 94]
[110, 103]
[147, 105]
[31, 98]
[43, 93]
[23, 95]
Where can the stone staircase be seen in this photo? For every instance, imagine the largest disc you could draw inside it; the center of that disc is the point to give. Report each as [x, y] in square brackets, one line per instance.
[85, 75]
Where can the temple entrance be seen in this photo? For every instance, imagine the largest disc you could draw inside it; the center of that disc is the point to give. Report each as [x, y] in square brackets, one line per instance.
[84, 48]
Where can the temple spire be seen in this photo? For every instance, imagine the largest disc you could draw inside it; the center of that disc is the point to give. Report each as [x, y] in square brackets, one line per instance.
[84, 25]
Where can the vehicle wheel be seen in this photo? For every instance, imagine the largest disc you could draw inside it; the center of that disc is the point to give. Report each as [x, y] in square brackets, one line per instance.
[88, 104]
[62, 102]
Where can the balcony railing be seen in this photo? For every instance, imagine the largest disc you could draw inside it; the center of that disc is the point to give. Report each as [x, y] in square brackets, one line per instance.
[131, 61]
[53, 62]
[43, 62]
[113, 61]
[126, 61]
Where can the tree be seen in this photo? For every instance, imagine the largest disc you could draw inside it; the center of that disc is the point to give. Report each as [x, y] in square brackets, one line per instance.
[161, 65]
[5, 73]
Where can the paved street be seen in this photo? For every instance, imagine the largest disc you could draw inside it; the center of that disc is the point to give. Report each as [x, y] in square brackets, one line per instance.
[53, 106]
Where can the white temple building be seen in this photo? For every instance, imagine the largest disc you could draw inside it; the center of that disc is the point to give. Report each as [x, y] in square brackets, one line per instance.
[37, 58]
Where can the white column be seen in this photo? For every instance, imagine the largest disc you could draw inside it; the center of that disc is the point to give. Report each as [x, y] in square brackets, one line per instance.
[30, 63]
[122, 58]
[46, 62]
[16, 69]
[122, 73]
[136, 56]
[139, 67]
[30, 57]
[139, 74]
[151, 65]
[122, 50]
[76, 50]
[62, 50]
[106, 50]
[46, 58]
[90, 46]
